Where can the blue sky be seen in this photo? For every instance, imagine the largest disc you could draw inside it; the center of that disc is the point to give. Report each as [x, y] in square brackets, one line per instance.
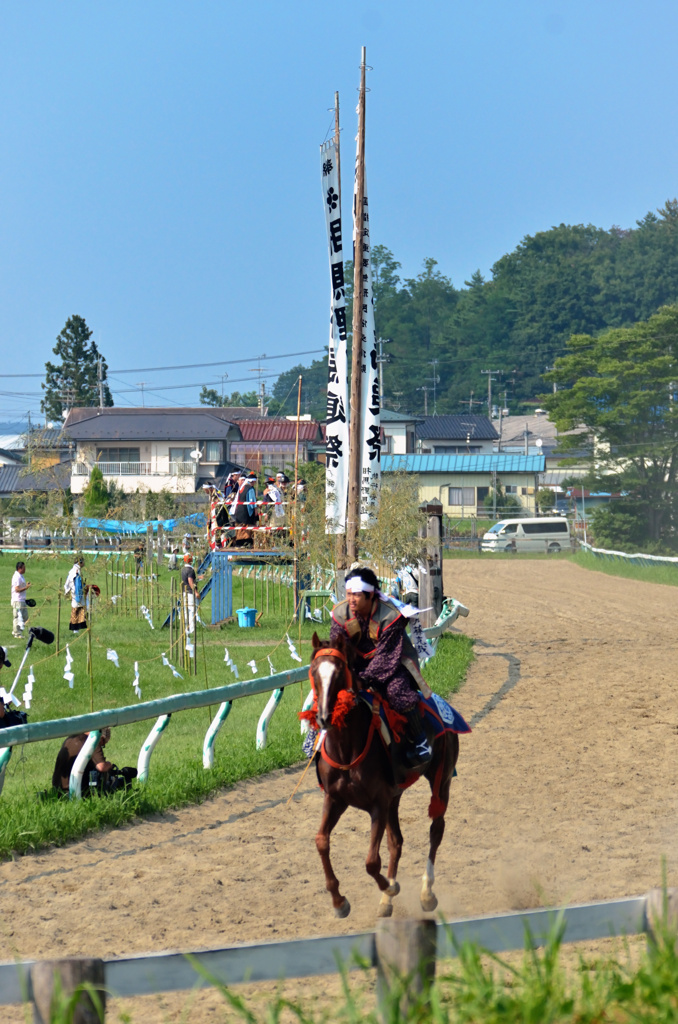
[160, 171]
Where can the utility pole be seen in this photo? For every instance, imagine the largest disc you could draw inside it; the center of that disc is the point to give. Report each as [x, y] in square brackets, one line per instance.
[435, 379]
[262, 397]
[355, 432]
[471, 402]
[100, 382]
[490, 378]
[426, 391]
[142, 384]
[381, 359]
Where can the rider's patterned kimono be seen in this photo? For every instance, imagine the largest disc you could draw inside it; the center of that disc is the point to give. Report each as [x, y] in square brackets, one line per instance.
[385, 656]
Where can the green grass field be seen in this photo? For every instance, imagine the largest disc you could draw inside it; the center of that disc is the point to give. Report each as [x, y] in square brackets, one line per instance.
[176, 776]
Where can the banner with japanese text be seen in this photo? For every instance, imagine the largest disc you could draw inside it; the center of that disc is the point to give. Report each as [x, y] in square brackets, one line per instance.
[370, 422]
[336, 480]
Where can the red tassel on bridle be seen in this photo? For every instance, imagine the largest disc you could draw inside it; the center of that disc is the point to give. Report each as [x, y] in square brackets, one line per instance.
[345, 698]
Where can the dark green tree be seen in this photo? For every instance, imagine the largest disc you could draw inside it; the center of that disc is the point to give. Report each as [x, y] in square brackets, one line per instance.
[623, 387]
[95, 495]
[210, 396]
[75, 380]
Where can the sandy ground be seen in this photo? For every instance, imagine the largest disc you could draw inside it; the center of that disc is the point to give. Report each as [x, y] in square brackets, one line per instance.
[567, 792]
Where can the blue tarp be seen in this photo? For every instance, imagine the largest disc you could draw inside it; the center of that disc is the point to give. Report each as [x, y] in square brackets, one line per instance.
[121, 526]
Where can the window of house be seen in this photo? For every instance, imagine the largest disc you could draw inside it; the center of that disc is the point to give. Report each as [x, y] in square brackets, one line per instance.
[457, 449]
[118, 454]
[180, 454]
[462, 496]
[212, 451]
[387, 446]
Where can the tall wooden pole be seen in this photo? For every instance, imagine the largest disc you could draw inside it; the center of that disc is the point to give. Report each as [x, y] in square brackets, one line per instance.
[295, 536]
[355, 432]
[340, 549]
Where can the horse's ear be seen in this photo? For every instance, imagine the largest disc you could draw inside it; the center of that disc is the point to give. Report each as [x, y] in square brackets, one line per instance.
[315, 640]
[340, 643]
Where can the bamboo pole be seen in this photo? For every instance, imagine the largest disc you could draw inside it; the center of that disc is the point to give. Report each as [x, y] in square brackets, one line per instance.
[295, 535]
[90, 667]
[171, 618]
[58, 636]
[182, 642]
[355, 430]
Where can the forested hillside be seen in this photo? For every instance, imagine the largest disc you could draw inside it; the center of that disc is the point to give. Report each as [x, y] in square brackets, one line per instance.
[569, 280]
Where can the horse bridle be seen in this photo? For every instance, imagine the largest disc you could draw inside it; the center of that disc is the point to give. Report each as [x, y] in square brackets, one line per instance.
[334, 653]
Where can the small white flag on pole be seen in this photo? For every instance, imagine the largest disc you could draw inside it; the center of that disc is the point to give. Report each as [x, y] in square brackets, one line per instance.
[28, 689]
[227, 657]
[112, 656]
[165, 661]
[253, 665]
[135, 684]
[270, 664]
[147, 615]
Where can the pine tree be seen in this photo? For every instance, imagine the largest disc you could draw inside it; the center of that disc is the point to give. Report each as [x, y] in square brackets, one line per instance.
[74, 381]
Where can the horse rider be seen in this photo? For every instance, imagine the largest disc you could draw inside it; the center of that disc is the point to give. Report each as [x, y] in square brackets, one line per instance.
[385, 658]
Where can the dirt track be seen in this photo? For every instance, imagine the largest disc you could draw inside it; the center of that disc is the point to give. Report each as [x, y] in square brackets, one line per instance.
[567, 791]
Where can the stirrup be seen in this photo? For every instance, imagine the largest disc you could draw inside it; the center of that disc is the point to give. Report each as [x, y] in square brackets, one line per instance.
[419, 754]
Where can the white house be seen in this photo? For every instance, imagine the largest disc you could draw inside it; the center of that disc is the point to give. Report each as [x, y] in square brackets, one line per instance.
[150, 449]
[399, 432]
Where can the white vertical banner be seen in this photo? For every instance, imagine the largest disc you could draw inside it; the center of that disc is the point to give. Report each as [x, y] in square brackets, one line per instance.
[370, 422]
[336, 479]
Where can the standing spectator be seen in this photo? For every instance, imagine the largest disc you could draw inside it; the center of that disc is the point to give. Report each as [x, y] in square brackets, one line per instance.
[75, 587]
[172, 560]
[189, 592]
[408, 577]
[18, 600]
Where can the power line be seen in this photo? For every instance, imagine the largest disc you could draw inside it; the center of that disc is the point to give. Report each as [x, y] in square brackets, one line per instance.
[190, 366]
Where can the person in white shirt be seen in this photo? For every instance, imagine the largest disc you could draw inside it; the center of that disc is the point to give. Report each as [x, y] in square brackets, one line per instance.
[19, 587]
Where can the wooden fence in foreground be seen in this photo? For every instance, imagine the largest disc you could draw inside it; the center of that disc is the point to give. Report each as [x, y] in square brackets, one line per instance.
[165, 972]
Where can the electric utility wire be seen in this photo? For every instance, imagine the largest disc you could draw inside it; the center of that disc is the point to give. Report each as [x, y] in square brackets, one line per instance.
[193, 366]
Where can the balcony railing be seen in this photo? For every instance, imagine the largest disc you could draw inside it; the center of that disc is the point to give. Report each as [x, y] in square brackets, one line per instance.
[125, 468]
[137, 469]
[183, 468]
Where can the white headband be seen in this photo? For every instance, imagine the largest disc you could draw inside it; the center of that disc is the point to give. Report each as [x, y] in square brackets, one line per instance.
[356, 585]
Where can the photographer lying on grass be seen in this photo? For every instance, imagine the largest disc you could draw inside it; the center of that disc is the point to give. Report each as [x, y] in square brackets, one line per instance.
[99, 775]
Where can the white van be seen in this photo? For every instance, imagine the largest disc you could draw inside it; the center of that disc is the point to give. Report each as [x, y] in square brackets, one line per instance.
[546, 535]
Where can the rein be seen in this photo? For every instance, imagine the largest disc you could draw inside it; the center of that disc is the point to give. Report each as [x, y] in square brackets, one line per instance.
[348, 678]
[374, 725]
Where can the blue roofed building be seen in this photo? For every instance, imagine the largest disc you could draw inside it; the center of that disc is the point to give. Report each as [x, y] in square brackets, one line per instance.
[462, 482]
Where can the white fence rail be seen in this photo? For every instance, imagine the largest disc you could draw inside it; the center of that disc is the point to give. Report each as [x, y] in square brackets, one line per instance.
[639, 558]
[162, 709]
[301, 958]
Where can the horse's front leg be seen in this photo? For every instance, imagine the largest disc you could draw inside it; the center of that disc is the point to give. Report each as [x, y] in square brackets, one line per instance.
[395, 847]
[332, 811]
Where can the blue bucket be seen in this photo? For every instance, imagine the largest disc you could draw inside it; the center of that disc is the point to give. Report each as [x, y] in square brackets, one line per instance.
[246, 616]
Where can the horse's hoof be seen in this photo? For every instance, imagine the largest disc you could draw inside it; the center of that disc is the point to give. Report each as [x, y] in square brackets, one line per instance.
[344, 910]
[393, 889]
[385, 910]
[429, 902]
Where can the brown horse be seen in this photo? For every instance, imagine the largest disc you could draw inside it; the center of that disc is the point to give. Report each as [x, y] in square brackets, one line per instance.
[354, 770]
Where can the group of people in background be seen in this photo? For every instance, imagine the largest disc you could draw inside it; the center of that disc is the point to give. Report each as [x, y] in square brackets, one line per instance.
[243, 510]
